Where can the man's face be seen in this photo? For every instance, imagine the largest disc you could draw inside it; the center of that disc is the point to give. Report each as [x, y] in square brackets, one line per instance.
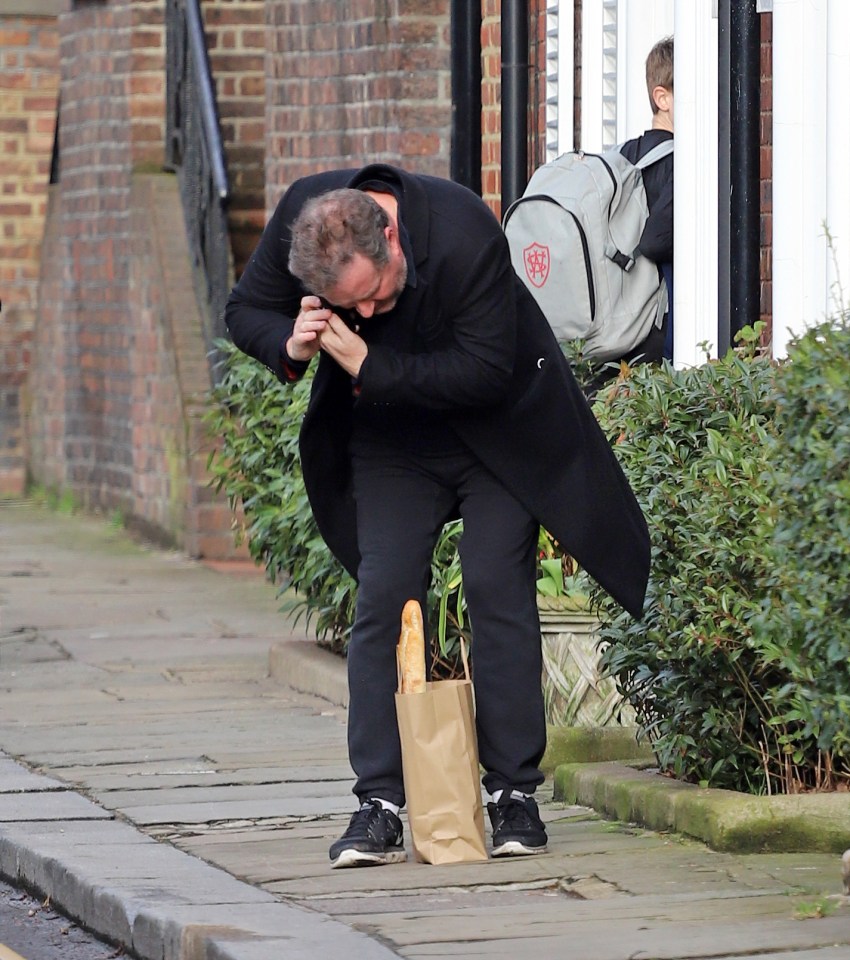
[370, 289]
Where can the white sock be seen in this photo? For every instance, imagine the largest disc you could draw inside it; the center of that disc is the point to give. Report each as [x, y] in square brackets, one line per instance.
[385, 804]
[515, 795]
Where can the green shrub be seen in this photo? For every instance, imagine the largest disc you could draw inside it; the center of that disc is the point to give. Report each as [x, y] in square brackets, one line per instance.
[693, 444]
[806, 625]
[740, 671]
[256, 421]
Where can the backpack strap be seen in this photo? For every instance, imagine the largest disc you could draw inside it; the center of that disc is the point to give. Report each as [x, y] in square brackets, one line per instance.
[658, 152]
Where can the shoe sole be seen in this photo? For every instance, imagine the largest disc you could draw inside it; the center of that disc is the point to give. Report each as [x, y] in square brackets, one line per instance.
[513, 848]
[357, 858]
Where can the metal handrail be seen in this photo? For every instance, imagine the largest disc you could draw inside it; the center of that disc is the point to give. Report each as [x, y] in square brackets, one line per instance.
[195, 152]
[207, 104]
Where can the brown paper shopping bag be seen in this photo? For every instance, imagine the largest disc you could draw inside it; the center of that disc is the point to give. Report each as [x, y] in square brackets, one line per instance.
[439, 750]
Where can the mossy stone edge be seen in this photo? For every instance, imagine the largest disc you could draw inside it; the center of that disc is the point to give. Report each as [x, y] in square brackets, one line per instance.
[723, 819]
[591, 745]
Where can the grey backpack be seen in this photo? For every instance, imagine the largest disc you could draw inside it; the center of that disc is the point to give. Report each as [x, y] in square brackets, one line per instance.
[573, 235]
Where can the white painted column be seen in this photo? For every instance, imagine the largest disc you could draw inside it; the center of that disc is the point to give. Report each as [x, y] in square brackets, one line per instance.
[800, 276]
[591, 75]
[838, 157]
[642, 24]
[560, 83]
[695, 213]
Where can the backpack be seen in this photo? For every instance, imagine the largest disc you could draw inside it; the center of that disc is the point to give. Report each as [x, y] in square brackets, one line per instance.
[572, 237]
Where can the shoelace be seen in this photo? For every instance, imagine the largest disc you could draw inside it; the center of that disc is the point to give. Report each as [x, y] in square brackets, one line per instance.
[368, 812]
[516, 813]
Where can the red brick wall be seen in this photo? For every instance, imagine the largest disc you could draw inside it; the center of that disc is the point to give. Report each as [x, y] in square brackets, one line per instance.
[119, 374]
[96, 155]
[352, 82]
[491, 100]
[236, 43]
[170, 379]
[46, 388]
[537, 84]
[29, 82]
[144, 70]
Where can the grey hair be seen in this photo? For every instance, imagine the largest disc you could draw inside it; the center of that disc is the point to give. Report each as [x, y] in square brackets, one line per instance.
[330, 230]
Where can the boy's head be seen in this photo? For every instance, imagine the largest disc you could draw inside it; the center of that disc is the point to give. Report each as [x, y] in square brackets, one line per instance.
[659, 82]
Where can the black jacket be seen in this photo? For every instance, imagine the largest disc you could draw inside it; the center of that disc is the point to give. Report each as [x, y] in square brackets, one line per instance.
[484, 357]
[656, 241]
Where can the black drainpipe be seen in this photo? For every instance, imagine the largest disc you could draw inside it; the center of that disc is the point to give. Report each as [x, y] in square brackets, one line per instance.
[466, 94]
[514, 100]
[739, 188]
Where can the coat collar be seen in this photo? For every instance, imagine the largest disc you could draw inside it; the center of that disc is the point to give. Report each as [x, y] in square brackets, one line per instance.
[413, 202]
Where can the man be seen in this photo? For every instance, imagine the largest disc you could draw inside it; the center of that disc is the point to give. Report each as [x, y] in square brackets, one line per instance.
[440, 392]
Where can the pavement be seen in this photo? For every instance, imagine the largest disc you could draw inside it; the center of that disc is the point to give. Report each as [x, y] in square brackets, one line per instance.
[164, 782]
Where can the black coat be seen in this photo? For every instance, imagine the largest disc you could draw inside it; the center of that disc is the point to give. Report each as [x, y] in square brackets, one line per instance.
[484, 357]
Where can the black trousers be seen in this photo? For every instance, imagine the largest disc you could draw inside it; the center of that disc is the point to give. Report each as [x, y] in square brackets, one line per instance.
[403, 499]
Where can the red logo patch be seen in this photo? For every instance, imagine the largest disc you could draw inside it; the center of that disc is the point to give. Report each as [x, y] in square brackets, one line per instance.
[536, 260]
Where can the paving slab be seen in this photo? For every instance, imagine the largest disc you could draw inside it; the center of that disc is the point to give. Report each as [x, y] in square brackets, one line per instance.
[196, 793]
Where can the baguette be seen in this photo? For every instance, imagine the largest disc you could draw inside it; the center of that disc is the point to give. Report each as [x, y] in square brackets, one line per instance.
[411, 649]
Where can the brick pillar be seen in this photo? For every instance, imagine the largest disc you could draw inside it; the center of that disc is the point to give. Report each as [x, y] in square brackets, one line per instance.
[29, 83]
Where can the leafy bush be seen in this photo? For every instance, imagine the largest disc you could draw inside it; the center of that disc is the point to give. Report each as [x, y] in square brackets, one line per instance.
[740, 671]
[256, 421]
[693, 444]
[806, 625]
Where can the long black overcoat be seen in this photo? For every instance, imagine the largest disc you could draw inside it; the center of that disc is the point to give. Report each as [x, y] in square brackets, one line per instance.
[483, 355]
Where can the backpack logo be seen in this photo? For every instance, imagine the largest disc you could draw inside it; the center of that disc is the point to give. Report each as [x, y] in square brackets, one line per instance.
[536, 259]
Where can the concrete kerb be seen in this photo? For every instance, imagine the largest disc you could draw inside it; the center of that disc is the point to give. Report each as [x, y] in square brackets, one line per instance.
[148, 897]
[723, 819]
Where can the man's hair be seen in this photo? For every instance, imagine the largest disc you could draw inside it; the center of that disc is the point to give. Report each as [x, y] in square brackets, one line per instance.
[330, 230]
[659, 69]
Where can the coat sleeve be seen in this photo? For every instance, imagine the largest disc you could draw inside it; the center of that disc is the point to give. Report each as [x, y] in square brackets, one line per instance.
[473, 288]
[656, 241]
[261, 310]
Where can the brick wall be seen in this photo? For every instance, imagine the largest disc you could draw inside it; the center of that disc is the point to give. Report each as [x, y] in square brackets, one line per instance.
[352, 82]
[144, 71]
[537, 84]
[170, 381]
[491, 99]
[119, 373]
[236, 44]
[90, 275]
[29, 82]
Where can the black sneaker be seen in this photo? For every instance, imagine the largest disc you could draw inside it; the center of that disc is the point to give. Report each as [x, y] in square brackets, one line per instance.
[517, 828]
[374, 837]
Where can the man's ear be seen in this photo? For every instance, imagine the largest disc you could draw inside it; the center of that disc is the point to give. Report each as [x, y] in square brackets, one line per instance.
[391, 233]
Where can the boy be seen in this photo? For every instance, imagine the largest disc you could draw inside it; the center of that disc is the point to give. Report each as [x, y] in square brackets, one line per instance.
[657, 239]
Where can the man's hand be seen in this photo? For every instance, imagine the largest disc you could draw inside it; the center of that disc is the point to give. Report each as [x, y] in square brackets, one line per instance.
[310, 324]
[344, 345]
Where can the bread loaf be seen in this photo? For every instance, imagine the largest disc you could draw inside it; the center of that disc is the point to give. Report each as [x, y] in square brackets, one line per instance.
[411, 649]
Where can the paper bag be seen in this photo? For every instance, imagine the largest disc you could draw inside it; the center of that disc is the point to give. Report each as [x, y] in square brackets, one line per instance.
[439, 750]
